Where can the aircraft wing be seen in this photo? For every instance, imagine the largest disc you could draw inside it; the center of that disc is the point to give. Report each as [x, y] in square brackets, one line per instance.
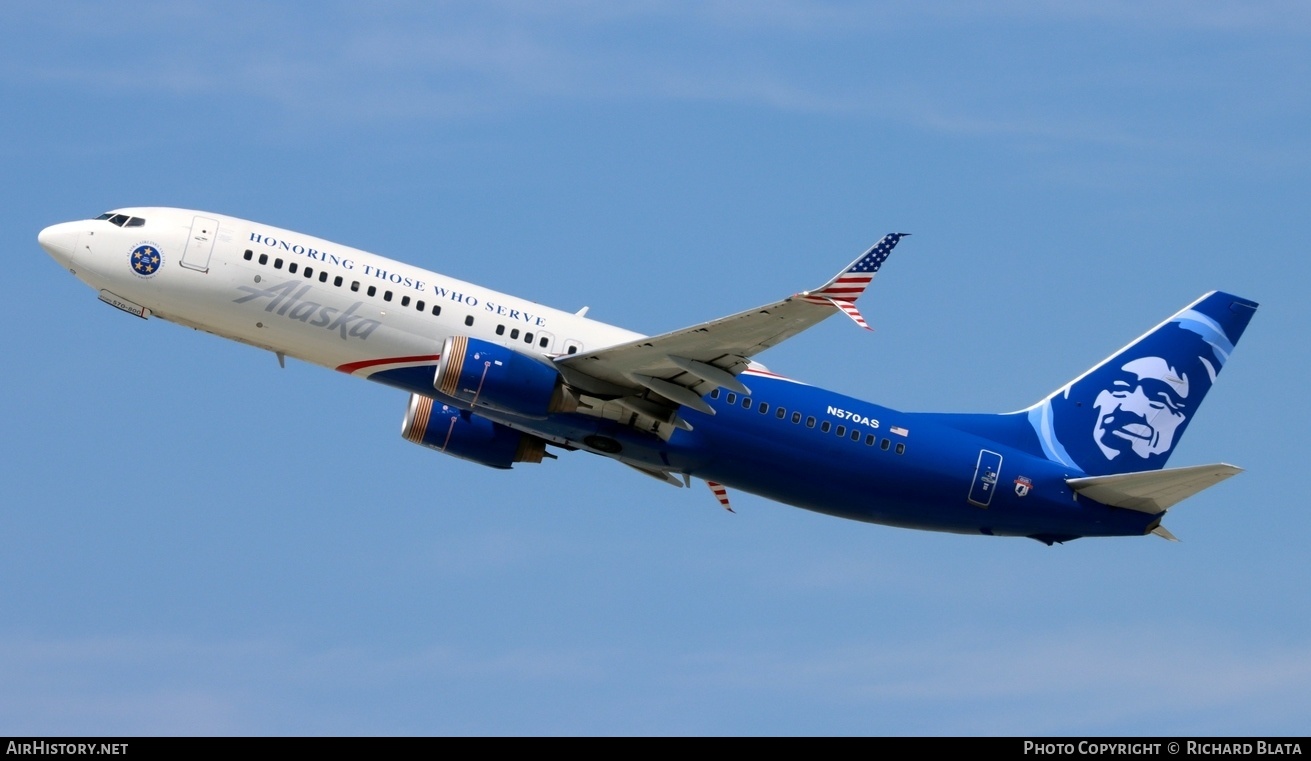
[683, 365]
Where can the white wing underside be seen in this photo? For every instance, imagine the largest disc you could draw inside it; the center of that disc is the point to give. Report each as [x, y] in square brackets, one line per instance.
[726, 344]
[643, 383]
[680, 367]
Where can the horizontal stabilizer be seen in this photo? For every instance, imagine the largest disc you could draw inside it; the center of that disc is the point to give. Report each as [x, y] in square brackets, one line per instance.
[1151, 491]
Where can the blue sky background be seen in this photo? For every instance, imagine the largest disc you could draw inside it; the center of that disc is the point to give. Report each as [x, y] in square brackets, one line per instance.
[198, 542]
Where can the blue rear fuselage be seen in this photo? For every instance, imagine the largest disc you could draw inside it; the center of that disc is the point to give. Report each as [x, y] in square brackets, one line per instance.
[900, 469]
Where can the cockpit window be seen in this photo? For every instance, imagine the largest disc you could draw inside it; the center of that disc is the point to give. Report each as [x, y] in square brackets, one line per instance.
[122, 220]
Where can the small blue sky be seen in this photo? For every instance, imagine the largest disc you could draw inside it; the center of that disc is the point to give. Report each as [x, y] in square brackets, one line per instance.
[197, 541]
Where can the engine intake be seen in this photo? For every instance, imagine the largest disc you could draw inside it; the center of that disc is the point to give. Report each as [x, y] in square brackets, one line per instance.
[467, 435]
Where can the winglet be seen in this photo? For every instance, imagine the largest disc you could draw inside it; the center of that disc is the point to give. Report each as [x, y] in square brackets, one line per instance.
[721, 494]
[1164, 533]
[843, 290]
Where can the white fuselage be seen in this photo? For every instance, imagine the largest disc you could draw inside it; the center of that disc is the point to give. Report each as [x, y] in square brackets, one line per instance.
[318, 301]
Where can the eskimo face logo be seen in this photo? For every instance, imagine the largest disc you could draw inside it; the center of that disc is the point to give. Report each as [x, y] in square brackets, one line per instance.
[146, 260]
[1141, 410]
[1129, 413]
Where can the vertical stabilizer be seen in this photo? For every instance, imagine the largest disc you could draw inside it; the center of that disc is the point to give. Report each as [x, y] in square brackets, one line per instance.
[1128, 413]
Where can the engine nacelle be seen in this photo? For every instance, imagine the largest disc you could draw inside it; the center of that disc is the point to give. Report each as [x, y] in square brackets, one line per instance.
[483, 374]
[467, 435]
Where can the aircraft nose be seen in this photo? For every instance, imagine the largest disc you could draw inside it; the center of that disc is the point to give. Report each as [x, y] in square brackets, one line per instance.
[59, 241]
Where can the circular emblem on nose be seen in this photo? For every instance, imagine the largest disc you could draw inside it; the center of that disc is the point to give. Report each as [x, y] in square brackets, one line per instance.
[146, 259]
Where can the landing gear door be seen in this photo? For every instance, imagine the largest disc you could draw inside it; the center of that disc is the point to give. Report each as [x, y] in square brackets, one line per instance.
[986, 474]
[200, 244]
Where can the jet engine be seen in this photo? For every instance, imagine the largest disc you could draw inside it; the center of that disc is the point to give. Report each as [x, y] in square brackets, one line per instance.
[468, 435]
[483, 374]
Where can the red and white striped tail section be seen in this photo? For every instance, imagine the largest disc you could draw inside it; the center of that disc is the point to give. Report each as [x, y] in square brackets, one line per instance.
[721, 494]
[843, 290]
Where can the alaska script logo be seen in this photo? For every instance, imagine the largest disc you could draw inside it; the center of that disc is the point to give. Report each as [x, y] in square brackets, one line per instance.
[288, 300]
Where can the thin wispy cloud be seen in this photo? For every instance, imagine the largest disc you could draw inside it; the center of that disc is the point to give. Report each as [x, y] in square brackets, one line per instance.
[345, 66]
[1089, 679]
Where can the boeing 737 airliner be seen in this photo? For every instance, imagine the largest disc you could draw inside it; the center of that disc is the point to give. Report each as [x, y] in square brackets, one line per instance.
[496, 379]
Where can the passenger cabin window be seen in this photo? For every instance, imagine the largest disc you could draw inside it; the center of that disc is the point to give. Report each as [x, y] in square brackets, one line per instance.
[544, 342]
[337, 281]
[796, 417]
[810, 422]
[248, 255]
[842, 431]
[372, 290]
[355, 285]
[469, 320]
[731, 398]
[885, 444]
[500, 330]
[386, 295]
[263, 258]
[277, 263]
[826, 426]
[291, 268]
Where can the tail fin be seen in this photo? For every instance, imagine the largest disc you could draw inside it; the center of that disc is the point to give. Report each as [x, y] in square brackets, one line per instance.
[1128, 413]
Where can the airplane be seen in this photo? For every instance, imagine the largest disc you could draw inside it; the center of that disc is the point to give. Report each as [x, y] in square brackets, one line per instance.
[496, 379]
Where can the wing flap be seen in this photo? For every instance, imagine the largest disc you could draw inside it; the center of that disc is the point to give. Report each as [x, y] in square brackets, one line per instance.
[1152, 491]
